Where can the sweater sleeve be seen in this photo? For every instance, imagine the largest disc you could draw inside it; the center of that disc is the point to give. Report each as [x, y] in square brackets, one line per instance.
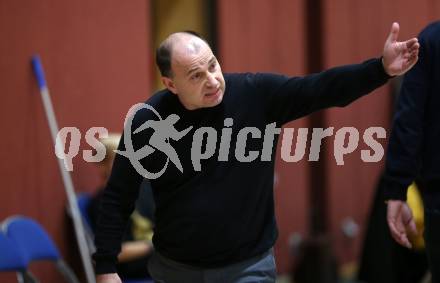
[117, 203]
[290, 98]
[403, 155]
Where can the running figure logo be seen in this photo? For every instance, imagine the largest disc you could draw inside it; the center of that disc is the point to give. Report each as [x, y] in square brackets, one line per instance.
[164, 130]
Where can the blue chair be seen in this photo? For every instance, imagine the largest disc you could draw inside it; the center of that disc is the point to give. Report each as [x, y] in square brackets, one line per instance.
[11, 259]
[83, 200]
[36, 244]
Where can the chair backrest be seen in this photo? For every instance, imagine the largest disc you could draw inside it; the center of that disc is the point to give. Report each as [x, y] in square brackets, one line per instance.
[11, 258]
[31, 238]
[35, 244]
[83, 200]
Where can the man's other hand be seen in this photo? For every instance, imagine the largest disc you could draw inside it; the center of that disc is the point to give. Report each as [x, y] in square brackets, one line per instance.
[401, 222]
[108, 278]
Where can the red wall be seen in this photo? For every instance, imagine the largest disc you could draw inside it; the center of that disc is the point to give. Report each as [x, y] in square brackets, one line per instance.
[96, 55]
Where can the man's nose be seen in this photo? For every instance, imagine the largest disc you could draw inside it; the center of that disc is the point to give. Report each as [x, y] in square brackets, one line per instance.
[212, 81]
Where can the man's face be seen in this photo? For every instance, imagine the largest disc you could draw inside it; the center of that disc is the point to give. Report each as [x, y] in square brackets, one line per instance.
[197, 77]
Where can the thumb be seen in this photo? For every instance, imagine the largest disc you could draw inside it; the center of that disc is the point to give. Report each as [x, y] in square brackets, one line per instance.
[412, 228]
[394, 33]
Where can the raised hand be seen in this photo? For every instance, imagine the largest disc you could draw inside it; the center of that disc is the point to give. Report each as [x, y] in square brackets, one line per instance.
[399, 56]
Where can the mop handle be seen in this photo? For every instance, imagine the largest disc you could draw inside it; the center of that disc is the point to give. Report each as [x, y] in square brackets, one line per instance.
[67, 179]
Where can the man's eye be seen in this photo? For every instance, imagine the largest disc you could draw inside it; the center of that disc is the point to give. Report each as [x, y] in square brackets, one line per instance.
[212, 67]
[196, 76]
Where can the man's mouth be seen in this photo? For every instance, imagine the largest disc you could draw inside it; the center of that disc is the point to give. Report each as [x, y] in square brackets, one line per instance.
[213, 93]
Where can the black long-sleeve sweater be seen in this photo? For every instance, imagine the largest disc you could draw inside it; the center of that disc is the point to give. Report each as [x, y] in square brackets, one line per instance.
[414, 141]
[223, 213]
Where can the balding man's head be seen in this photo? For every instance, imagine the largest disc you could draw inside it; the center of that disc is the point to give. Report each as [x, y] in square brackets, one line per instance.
[186, 42]
[190, 70]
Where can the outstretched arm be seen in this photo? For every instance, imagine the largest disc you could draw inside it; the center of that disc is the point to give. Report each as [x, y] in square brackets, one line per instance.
[289, 98]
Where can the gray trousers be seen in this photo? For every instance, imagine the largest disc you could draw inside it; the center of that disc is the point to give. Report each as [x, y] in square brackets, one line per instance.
[259, 269]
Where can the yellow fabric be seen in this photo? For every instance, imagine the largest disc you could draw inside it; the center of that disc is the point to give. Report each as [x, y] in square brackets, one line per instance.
[142, 227]
[415, 203]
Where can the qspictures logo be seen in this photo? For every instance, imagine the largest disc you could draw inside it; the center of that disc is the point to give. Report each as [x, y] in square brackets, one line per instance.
[205, 141]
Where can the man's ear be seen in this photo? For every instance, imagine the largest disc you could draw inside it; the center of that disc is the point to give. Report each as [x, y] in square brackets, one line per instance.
[168, 83]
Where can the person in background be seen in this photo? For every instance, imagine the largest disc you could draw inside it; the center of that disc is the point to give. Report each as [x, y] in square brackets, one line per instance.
[136, 244]
[413, 150]
[384, 260]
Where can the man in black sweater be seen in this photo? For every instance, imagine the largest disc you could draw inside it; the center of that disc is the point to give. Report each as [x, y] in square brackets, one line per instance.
[214, 216]
[413, 149]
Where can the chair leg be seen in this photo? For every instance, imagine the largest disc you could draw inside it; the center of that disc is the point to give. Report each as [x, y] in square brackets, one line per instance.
[65, 270]
[26, 277]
